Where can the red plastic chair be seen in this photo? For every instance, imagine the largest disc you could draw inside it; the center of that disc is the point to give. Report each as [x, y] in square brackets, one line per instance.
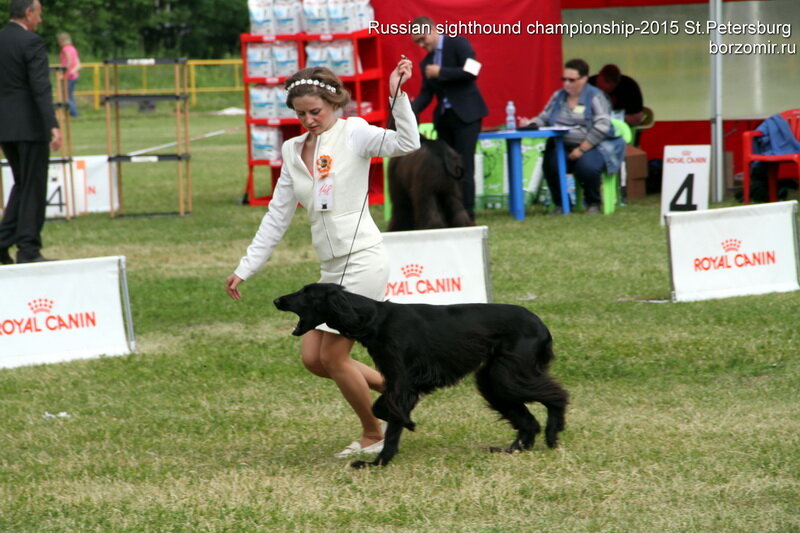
[793, 118]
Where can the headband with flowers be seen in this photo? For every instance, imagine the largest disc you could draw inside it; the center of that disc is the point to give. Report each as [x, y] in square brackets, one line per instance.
[312, 82]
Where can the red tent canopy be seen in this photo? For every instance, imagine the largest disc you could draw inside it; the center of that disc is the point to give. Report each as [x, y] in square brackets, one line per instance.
[589, 4]
[524, 68]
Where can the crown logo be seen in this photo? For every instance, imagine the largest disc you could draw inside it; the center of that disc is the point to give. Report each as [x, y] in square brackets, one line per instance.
[40, 305]
[731, 245]
[412, 271]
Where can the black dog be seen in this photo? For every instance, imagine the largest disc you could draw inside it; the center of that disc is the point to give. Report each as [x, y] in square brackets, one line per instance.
[419, 348]
[424, 190]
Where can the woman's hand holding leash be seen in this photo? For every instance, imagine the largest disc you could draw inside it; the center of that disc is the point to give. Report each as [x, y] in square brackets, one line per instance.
[401, 73]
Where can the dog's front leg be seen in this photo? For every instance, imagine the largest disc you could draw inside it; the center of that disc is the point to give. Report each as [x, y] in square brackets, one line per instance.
[396, 410]
[390, 447]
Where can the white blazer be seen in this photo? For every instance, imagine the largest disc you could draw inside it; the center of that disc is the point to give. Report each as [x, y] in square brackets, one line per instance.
[349, 145]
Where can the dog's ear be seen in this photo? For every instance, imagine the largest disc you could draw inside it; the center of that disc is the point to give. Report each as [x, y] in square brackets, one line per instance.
[348, 315]
[340, 306]
[453, 164]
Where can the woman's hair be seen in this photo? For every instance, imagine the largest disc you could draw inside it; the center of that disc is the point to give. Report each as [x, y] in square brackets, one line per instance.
[63, 38]
[579, 65]
[317, 81]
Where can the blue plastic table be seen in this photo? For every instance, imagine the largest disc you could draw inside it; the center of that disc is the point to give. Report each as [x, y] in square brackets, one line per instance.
[516, 203]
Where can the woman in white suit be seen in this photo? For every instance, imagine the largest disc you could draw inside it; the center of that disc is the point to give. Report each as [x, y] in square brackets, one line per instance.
[326, 170]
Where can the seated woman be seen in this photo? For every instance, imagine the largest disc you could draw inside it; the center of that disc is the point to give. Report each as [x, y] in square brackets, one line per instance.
[591, 143]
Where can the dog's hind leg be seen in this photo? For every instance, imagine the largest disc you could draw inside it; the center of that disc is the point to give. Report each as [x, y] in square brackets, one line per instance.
[556, 403]
[495, 386]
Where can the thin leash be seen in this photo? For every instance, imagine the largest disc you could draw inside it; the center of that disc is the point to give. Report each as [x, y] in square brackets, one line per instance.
[366, 196]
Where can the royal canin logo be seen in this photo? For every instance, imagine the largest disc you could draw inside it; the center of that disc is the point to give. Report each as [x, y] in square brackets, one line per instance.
[731, 245]
[40, 305]
[733, 258]
[686, 157]
[52, 322]
[412, 271]
[415, 283]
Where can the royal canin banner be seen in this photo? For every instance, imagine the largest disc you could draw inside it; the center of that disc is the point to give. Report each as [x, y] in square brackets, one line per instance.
[440, 266]
[61, 310]
[733, 251]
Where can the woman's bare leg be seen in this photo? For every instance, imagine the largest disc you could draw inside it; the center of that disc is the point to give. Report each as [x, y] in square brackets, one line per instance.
[334, 358]
[310, 347]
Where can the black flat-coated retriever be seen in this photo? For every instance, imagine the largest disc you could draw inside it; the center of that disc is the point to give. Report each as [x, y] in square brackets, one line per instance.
[419, 348]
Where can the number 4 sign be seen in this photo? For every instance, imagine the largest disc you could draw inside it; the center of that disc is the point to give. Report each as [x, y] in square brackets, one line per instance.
[684, 186]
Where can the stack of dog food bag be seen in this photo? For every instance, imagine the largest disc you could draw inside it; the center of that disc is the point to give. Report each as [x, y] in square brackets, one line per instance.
[280, 58]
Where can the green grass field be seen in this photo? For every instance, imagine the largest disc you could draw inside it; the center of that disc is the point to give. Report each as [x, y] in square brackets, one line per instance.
[684, 417]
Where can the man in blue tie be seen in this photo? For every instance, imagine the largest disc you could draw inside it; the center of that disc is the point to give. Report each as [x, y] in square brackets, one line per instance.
[449, 72]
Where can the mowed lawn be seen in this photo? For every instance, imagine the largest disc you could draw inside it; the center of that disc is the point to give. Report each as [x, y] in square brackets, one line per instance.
[683, 417]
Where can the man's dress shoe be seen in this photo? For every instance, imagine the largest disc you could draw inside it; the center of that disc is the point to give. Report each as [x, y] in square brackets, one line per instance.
[35, 258]
[5, 257]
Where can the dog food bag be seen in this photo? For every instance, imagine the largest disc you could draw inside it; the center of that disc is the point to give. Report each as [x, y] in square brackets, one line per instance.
[317, 54]
[284, 58]
[316, 16]
[495, 173]
[259, 60]
[339, 14]
[532, 152]
[362, 14]
[266, 142]
[340, 53]
[283, 111]
[288, 17]
[262, 102]
[262, 21]
[353, 109]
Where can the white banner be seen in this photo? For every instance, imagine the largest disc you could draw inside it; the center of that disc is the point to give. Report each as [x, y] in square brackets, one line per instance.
[733, 251]
[440, 266]
[89, 187]
[61, 310]
[684, 184]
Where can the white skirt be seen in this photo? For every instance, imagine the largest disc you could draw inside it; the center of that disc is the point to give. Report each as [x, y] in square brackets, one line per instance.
[367, 274]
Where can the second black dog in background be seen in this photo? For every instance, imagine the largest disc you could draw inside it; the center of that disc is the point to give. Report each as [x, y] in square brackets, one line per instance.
[424, 189]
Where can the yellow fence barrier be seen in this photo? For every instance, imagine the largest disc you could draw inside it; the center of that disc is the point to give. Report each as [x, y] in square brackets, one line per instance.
[143, 80]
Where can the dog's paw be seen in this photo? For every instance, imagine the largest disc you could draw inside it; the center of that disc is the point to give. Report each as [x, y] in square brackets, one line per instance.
[359, 464]
[510, 449]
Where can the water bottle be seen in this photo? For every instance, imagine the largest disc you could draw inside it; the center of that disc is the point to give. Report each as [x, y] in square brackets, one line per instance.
[511, 116]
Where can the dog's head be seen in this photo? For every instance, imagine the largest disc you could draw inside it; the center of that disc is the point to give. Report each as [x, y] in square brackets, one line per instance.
[453, 165]
[328, 303]
[309, 304]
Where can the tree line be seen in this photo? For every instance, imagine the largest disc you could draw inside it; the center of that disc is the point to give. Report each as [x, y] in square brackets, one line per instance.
[101, 29]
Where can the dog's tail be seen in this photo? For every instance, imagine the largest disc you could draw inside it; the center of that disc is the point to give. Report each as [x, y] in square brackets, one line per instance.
[544, 355]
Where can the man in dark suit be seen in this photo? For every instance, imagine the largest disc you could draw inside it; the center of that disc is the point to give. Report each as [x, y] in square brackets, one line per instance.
[449, 72]
[28, 129]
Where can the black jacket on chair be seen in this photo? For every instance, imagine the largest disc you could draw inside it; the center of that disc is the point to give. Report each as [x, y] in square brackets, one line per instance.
[26, 101]
[453, 83]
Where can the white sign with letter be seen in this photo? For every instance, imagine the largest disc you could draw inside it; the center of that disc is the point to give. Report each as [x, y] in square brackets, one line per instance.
[61, 310]
[733, 251]
[89, 187]
[439, 266]
[684, 184]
